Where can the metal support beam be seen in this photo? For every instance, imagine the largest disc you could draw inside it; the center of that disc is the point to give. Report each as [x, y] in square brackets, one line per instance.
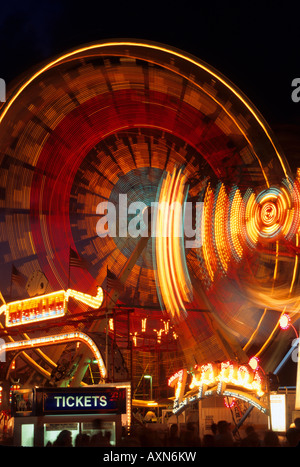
[111, 301]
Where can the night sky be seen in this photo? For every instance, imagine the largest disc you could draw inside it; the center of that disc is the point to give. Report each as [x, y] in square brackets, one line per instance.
[256, 45]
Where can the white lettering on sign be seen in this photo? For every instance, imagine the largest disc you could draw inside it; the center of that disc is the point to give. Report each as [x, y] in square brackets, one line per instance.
[80, 401]
[103, 401]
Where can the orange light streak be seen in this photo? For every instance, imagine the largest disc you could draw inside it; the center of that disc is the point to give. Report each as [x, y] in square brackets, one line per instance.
[174, 283]
[220, 228]
[235, 223]
[208, 249]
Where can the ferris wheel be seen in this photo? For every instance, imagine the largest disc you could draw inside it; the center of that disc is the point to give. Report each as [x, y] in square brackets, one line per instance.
[125, 122]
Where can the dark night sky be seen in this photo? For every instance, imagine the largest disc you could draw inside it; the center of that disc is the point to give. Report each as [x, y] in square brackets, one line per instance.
[256, 45]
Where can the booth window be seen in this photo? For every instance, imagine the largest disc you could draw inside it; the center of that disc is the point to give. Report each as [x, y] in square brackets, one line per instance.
[107, 429]
[52, 430]
[27, 435]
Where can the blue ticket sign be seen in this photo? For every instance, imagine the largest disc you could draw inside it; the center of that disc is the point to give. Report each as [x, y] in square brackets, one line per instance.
[68, 400]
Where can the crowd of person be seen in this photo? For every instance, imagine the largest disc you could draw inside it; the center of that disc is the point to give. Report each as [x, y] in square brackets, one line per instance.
[64, 439]
[220, 435]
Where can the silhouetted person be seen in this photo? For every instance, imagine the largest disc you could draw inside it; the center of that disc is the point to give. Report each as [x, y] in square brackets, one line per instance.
[224, 437]
[173, 439]
[252, 439]
[293, 437]
[190, 437]
[208, 441]
[214, 428]
[297, 423]
[107, 438]
[82, 440]
[98, 439]
[64, 439]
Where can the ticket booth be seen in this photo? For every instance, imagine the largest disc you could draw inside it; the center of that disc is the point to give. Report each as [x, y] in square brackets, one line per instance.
[40, 414]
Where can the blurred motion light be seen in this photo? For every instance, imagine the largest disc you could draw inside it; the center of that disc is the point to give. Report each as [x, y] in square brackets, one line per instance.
[108, 120]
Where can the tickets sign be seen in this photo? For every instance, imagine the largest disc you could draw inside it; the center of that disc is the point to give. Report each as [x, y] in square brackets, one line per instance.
[88, 400]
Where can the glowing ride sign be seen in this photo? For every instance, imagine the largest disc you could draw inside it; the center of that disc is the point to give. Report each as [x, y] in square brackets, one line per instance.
[84, 400]
[229, 373]
[48, 306]
[219, 379]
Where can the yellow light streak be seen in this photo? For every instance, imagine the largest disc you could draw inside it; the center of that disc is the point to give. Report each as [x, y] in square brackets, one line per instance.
[45, 307]
[250, 219]
[235, 223]
[90, 300]
[208, 251]
[220, 228]
[174, 283]
[284, 310]
[144, 324]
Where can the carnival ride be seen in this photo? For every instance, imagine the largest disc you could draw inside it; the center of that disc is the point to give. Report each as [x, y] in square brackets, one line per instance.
[128, 122]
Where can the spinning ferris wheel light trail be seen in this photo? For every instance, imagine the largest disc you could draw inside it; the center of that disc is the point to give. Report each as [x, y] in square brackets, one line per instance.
[172, 275]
